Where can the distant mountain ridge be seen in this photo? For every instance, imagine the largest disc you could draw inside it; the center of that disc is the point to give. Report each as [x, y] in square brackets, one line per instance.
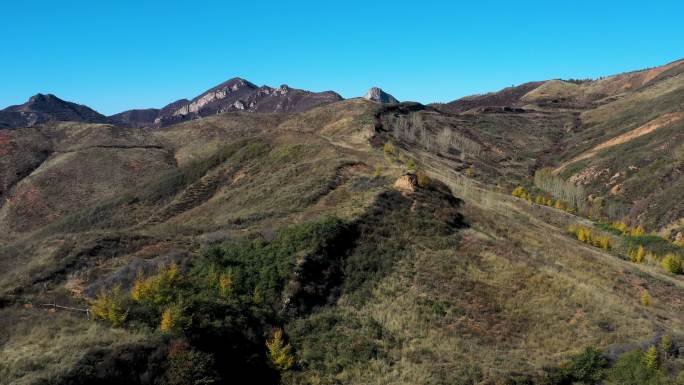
[233, 95]
[145, 117]
[42, 108]
[236, 94]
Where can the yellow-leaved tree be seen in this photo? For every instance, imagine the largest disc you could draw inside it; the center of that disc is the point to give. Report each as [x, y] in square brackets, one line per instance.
[638, 231]
[225, 284]
[279, 352]
[645, 298]
[518, 192]
[638, 255]
[109, 306]
[167, 321]
[650, 357]
[604, 242]
[672, 263]
[159, 289]
[171, 318]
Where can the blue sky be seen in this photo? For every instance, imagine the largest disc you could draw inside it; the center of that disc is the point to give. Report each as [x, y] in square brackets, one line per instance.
[117, 55]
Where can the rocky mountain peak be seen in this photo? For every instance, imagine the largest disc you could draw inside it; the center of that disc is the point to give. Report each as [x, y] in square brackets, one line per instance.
[376, 94]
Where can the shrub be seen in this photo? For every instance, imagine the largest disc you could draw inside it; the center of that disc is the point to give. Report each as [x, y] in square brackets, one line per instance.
[666, 345]
[279, 352]
[423, 180]
[645, 298]
[389, 149]
[620, 226]
[190, 367]
[672, 263]
[588, 367]
[411, 165]
[378, 172]
[630, 369]
[110, 307]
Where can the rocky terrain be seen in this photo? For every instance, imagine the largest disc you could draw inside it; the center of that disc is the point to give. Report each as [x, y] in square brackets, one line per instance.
[233, 95]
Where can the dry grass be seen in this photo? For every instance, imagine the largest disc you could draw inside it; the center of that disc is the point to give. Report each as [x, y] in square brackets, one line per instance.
[38, 345]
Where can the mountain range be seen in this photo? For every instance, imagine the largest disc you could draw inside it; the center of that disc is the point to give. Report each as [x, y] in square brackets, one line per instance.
[532, 235]
[233, 95]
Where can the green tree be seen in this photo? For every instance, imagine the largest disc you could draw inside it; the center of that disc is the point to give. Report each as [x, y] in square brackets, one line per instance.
[588, 367]
[190, 367]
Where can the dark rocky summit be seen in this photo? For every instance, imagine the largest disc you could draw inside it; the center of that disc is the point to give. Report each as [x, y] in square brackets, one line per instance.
[42, 108]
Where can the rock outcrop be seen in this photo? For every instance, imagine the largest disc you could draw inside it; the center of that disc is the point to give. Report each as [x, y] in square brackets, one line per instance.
[406, 183]
[378, 95]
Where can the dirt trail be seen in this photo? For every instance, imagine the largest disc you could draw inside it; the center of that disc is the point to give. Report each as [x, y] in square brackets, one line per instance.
[645, 129]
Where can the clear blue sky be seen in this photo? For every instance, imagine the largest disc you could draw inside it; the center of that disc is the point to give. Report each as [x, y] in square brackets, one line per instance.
[117, 55]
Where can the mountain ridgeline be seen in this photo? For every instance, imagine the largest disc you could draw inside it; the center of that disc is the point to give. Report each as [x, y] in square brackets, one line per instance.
[533, 235]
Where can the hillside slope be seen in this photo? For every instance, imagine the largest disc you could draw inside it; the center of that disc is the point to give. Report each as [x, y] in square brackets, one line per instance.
[353, 242]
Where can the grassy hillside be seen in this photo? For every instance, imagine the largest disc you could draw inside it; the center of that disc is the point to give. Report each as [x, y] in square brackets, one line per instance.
[274, 248]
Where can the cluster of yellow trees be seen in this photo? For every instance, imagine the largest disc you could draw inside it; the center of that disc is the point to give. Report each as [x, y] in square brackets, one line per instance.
[671, 262]
[542, 200]
[627, 230]
[584, 234]
[640, 231]
[158, 290]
